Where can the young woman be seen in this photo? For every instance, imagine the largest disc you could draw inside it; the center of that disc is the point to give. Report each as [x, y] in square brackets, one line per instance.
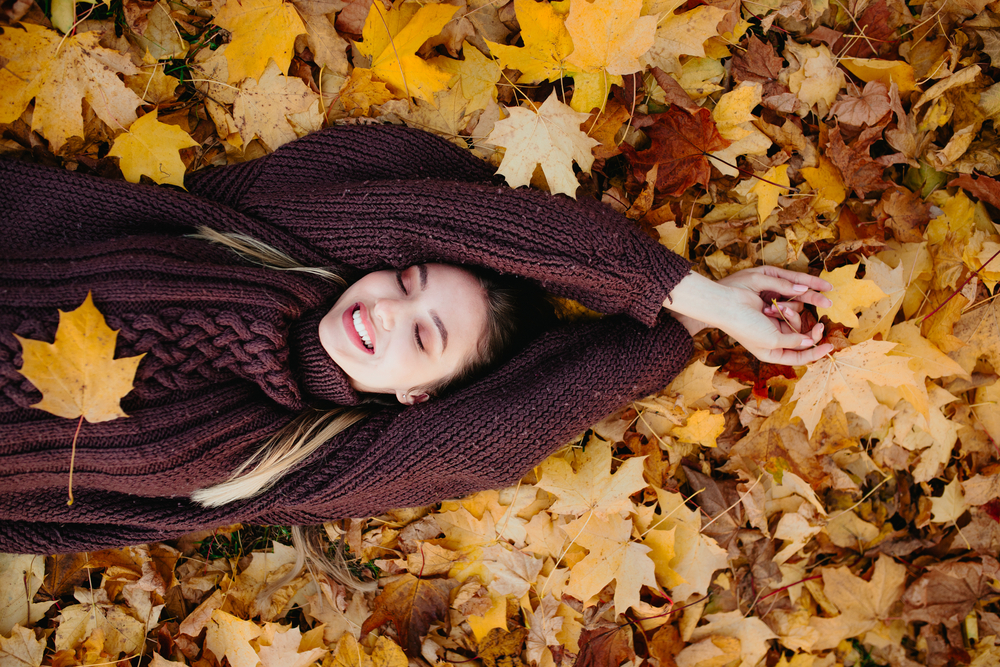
[238, 412]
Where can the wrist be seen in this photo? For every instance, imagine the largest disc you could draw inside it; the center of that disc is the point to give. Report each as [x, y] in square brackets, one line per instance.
[699, 299]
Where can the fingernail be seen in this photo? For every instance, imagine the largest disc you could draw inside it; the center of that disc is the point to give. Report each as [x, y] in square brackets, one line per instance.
[799, 288]
[808, 341]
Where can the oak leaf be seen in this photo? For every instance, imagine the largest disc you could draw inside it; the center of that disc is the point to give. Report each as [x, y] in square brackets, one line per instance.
[848, 295]
[844, 376]
[547, 43]
[151, 148]
[262, 30]
[394, 53]
[59, 73]
[78, 374]
[681, 141]
[608, 37]
[550, 138]
[411, 604]
[612, 556]
[589, 485]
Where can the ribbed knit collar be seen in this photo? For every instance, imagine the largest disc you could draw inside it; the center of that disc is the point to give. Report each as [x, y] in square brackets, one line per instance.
[318, 375]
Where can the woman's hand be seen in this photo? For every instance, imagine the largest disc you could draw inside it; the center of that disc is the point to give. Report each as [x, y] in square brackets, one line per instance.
[741, 305]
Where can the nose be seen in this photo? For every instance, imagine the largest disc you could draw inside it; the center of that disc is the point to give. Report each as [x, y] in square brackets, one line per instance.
[387, 311]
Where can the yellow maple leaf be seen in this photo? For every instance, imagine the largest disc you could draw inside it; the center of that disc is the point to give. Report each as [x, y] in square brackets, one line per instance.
[702, 428]
[848, 295]
[262, 30]
[361, 91]
[59, 73]
[681, 34]
[230, 637]
[546, 43]
[349, 653]
[477, 77]
[826, 181]
[768, 188]
[391, 39]
[591, 487]
[550, 137]
[265, 109]
[608, 37]
[844, 376]
[78, 374]
[613, 557]
[22, 648]
[151, 148]
[878, 318]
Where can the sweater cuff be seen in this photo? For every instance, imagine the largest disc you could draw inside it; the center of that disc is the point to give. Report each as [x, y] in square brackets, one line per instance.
[666, 269]
[320, 378]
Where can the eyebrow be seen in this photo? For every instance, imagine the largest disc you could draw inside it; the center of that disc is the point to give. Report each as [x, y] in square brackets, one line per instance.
[422, 269]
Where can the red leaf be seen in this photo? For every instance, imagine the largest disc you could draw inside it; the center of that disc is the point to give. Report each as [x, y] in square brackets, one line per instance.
[985, 188]
[681, 140]
[751, 370]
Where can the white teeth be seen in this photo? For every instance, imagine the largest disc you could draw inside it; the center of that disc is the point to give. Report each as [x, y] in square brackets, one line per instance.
[360, 328]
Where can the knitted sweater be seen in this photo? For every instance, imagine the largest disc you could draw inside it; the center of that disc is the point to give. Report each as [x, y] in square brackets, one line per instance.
[232, 350]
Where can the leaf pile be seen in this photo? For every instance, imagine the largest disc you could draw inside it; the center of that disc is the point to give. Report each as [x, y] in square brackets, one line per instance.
[841, 514]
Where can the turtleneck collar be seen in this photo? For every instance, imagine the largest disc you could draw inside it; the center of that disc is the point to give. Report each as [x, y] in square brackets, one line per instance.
[320, 378]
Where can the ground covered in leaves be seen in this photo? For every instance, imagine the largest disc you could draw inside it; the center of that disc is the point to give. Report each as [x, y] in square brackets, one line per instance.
[840, 514]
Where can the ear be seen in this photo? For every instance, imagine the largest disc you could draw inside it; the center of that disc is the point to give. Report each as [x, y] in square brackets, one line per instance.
[411, 397]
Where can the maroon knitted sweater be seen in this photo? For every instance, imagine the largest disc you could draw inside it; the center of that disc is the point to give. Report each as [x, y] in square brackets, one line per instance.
[232, 350]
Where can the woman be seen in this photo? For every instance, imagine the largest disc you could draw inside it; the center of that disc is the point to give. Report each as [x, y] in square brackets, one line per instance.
[237, 353]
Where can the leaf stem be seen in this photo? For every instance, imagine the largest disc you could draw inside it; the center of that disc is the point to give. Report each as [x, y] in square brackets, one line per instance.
[72, 458]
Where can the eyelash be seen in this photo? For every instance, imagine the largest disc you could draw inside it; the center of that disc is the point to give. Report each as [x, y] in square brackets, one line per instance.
[416, 328]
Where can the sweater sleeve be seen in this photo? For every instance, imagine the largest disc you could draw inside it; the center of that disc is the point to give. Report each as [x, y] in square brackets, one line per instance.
[578, 249]
[341, 154]
[447, 448]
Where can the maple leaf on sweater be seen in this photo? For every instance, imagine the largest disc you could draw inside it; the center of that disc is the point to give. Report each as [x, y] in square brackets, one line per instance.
[59, 73]
[681, 140]
[151, 148]
[550, 138]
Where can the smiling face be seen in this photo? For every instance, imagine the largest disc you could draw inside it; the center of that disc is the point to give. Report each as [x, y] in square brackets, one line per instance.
[395, 332]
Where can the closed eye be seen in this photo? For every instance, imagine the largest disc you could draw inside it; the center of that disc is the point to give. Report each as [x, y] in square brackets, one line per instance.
[399, 280]
[416, 337]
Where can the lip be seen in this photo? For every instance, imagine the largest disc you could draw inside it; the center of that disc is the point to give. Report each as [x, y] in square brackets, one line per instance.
[352, 333]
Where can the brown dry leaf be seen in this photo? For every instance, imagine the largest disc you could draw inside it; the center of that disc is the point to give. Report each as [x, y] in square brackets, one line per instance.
[860, 172]
[411, 604]
[543, 625]
[783, 445]
[78, 374]
[867, 109]
[500, 648]
[979, 330]
[609, 645]
[550, 138]
[949, 590]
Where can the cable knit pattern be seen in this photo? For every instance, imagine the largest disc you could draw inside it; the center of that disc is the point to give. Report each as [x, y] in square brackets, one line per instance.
[233, 351]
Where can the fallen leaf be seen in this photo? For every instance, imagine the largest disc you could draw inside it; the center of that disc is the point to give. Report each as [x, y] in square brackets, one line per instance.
[682, 34]
[262, 30]
[59, 73]
[844, 376]
[589, 485]
[849, 295]
[411, 604]
[394, 54]
[866, 109]
[266, 108]
[550, 138]
[547, 43]
[681, 141]
[22, 649]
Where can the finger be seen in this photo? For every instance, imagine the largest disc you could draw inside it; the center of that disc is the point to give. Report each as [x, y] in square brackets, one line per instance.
[765, 283]
[793, 341]
[790, 317]
[815, 299]
[801, 357]
[812, 282]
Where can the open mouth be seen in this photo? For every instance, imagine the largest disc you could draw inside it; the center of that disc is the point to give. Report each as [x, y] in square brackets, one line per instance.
[360, 329]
